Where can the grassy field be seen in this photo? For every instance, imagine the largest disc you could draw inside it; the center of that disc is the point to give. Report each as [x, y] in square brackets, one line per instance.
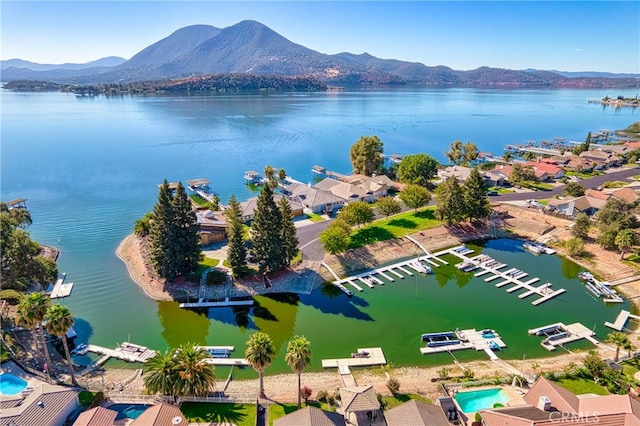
[239, 414]
[401, 398]
[581, 386]
[315, 217]
[280, 410]
[395, 227]
[203, 265]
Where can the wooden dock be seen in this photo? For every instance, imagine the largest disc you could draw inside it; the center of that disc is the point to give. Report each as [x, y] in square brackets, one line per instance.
[375, 357]
[621, 320]
[127, 352]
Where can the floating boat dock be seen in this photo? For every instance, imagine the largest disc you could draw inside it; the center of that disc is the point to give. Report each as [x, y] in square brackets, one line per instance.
[60, 288]
[127, 351]
[558, 334]
[621, 320]
[217, 304]
[484, 340]
[374, 356]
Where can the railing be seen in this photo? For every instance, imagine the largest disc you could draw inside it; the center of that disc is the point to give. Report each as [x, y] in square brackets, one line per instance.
[137, 398]
[242, 398]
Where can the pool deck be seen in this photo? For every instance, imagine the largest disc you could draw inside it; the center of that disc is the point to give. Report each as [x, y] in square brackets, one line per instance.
[11, 367]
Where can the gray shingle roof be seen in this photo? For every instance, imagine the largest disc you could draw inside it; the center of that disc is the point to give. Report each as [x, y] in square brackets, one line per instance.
[310, 416]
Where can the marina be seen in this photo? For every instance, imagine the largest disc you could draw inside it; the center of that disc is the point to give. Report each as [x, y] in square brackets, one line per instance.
[558, 334]
[487, 340]
[421, 265]
[361, 358]
[600, 289]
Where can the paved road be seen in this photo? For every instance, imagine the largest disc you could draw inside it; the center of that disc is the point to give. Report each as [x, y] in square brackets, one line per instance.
[312, 248]
[619, 174]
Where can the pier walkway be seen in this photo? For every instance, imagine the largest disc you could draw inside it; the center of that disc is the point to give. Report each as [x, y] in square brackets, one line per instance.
[470, 339]
[127, 351]
[60, 288]
[558, 334]
[621, 320]
[216, 304]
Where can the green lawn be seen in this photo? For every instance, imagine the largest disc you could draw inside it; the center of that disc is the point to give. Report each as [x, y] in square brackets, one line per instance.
[239, 414]
[537, 186]
[280, 410]
[315, 217]
[203, 265]
[198, 199]
[614, 184]
[86, 398]
[395, 227]
[401, 398]
[581, 386]
[631, 366]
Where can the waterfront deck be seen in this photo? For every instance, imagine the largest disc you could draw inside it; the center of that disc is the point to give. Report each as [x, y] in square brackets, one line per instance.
[60, 288]
[621, 320]
[375, 357]
[558, 334]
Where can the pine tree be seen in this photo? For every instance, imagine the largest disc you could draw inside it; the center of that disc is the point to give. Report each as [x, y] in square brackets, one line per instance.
[265, 232]
[186, 233]
[288, 233]
[450, 201]
[160, 234]
[476, 201]
[236, 248]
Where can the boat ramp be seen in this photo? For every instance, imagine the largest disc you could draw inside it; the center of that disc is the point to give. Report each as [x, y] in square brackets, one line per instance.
[558, 334]
[621, 320]
[484, 340]
[363, 357]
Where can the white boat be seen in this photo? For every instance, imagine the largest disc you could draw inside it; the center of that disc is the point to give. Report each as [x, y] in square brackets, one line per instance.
[420, 267]
[533, 247]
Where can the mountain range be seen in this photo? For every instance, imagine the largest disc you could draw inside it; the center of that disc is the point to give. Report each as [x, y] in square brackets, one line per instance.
[250, 47]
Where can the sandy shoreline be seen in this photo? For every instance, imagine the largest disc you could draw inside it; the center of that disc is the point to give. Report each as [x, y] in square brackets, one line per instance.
[522, 222]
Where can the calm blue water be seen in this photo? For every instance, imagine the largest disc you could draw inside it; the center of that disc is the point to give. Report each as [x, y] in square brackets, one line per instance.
[11, 385]
[470, 402]
[89, 168]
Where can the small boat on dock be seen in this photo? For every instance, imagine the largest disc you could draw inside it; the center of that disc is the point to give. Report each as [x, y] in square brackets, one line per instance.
[599, 288]
[533, 247]
[440, 339]
[420, 267]
[467, 266]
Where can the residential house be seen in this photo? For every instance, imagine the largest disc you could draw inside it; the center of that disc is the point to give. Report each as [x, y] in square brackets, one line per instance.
[46, 405]
[564, 206]
[632, 145]
[626, 194]
[213, 226]
[548, 404]
[579, 165]
[495, 177]
[310, 416]
[344, 190]
[249, 206]
[97, 416]
[602, 159]
[361, 406]
[460, 172]
[570, 207]
[545, 171]
[416, 413]
[161, 415]
[314, 199]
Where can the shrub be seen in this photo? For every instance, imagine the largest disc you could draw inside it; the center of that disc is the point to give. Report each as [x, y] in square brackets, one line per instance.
[216, 277]
[11, 296]
[306, 392]
[393, 385]
[322, 396]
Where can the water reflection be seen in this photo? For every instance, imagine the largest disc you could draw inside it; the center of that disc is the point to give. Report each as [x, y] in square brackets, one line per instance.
[173, 320]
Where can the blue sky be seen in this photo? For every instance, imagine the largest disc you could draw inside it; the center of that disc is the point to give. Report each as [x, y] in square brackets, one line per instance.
[568, 36]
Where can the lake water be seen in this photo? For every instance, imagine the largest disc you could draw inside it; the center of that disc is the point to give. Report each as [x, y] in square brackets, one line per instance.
[89, 168]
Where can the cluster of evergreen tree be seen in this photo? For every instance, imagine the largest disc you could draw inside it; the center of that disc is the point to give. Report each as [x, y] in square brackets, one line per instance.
[273, 234]
[468, 201]
[174, 235]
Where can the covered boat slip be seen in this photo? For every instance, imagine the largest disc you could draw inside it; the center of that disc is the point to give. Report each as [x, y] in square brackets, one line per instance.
[483, 340]
[558, 334]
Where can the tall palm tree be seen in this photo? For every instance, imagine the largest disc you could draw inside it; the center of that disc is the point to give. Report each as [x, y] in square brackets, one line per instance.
[196, 376]
[619, 339]
[59, 321]
[259, 354]
[298, 356]
[160, 374]
[625, 239]
[33, 308]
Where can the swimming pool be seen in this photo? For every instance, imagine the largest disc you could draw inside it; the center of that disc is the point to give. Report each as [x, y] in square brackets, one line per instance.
[128, 411]
[473, 401]
[11, 385]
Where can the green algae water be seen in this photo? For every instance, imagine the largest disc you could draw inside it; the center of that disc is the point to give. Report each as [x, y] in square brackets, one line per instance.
[89, 168]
